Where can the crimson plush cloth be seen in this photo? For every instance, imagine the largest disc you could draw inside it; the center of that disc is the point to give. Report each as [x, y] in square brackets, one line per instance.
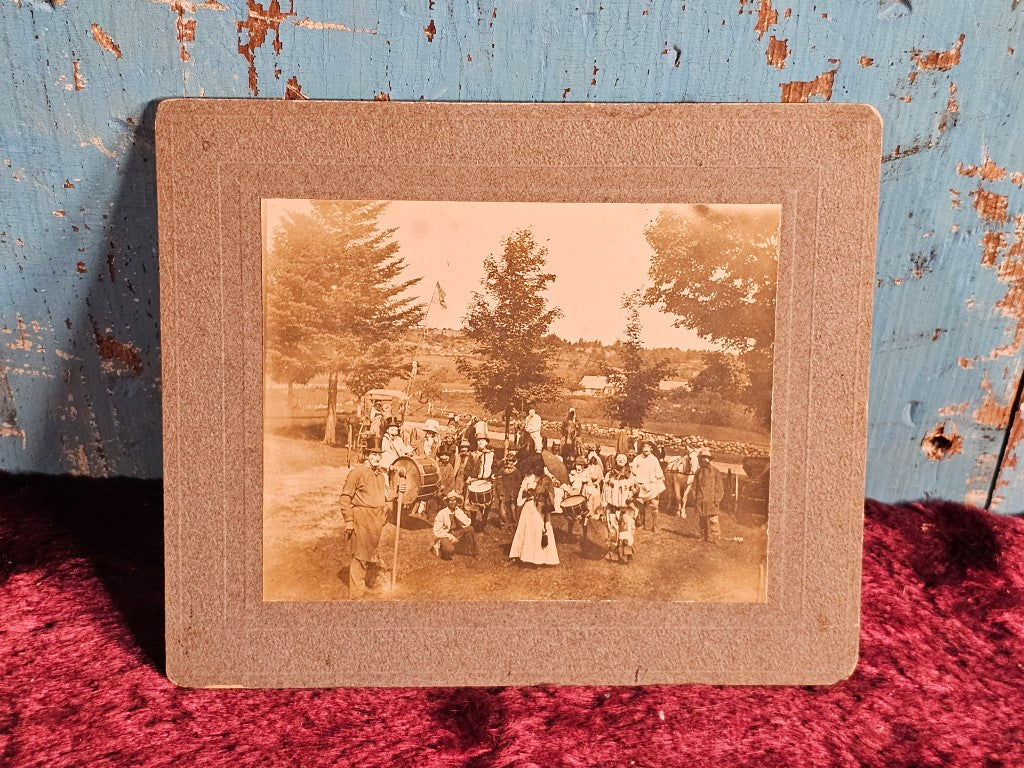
[81, 606]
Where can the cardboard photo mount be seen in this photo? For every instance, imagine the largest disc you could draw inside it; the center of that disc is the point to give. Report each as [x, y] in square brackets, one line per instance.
[216, 161]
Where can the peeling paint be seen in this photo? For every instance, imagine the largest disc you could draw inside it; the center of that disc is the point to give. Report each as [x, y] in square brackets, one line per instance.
[766, 17]
[23, 342]
[430, 30]
[898, 152]
[292, 89]
[308, 23]
[1013, 441]
[186, 27]
[257, 23]
[991, 244]
[957, 409]
[104, 41]
[940, 60]
[991, 413]
[777, 52]
[76, 67]
[954, 198]
[866, 61]
[990, 206]
[80, 266]
[116, 356]
[382, 96]
[7, 430]
[988, 170]
[800, 91]
[939, 444]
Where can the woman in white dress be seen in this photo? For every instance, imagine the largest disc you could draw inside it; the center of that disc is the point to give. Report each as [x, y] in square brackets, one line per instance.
[534, 540]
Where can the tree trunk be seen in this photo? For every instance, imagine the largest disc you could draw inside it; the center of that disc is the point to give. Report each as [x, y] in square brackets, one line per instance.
[291, 402]
[331, 427]
[508, 419]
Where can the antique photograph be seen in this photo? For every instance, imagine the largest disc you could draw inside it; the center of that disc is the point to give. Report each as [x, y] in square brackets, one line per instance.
[517, 401]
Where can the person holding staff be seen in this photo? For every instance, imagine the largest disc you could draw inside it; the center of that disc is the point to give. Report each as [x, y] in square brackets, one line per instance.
[364, 506]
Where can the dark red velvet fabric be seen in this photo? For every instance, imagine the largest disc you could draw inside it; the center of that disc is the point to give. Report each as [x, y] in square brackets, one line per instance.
[940, 681]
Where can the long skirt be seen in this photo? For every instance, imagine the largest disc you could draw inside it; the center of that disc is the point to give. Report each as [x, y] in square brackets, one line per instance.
[526, 544]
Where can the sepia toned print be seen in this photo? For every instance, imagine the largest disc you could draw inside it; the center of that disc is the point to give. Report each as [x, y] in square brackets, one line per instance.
[517, 401]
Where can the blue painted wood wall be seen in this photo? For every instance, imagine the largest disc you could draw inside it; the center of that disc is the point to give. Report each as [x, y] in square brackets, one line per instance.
[79, 341]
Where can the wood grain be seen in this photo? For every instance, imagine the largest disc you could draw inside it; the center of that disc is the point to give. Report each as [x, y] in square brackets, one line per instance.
[79, 341]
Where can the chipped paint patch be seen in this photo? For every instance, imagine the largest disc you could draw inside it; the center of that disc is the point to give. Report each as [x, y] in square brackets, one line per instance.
[939, 444]
[766, 17]
[799, 91]
[116, 356]
[777, 52]
[76, 67]
[988, 170]
[866, 61]
[292, 89]
[382, 96]
[954, 198]
[991, 413]
[257, 24]
[990, 206]
[308, 23]
[939, 60]
[80, 266]
[959, 409]
[8, 430]
[186, 28]
[104, 41]
[991, 244]
[430, 30]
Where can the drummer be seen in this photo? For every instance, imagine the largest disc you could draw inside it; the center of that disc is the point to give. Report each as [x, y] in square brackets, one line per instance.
[393, 444]
[480, 467]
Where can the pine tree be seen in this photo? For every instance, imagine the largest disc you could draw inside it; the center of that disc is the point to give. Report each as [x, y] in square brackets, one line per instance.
[508, 325]
[636, 384]
[337, 303]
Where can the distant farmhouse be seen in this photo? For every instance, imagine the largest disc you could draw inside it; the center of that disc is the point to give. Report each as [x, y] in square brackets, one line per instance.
[593, 386]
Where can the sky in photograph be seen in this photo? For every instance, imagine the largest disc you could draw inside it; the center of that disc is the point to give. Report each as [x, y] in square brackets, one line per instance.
[597, 251]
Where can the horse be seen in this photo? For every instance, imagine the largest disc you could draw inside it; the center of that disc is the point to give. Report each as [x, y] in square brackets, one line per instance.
[679, 474]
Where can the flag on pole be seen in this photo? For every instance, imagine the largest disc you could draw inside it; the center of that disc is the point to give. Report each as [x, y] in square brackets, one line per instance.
[440, 295]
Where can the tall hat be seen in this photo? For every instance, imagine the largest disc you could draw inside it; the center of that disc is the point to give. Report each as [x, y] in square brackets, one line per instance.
[373, 444]
[392, 421]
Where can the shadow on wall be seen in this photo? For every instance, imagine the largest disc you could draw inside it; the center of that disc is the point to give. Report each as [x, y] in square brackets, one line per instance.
[105, 417]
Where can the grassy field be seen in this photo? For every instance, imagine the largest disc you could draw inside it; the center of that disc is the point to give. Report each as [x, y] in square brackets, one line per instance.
[306, 557]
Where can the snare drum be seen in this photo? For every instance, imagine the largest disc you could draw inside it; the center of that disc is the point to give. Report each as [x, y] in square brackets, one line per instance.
[420, 477]
[576, 505]
[480, 492]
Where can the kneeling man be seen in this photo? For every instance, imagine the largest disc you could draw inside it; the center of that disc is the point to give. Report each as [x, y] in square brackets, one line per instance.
[453, 530]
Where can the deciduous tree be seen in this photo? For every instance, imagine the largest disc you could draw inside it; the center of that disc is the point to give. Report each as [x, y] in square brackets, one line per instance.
[508, 324]
[636, 384]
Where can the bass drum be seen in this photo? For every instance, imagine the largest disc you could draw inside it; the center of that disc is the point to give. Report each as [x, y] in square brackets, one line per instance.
[421, 478]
